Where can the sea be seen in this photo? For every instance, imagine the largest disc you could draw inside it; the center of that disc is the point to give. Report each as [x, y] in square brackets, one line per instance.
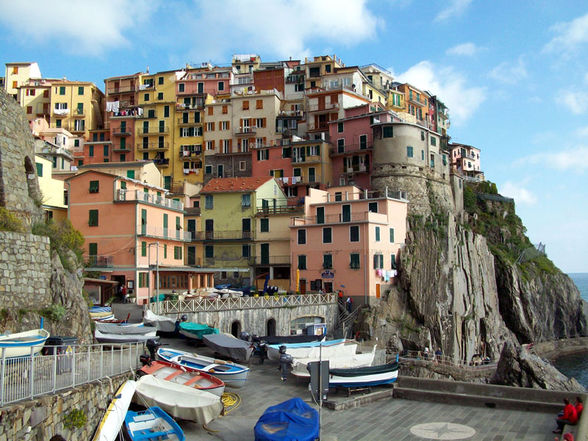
[576, 365]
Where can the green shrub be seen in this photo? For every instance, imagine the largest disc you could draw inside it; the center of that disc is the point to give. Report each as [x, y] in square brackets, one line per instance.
[54, 312]
[9, 221]
[76, 419]
[64, 238]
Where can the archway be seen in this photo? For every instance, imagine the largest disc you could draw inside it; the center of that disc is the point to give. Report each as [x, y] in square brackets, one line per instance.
[270, 327]
[236, 328]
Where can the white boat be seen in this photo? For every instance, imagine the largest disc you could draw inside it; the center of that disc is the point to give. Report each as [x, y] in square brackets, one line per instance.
[336, 361]
[310, 349]
[161, 322]
[233, 374]
[179, 401]
[123, 333]
[364, 376]
[21, 344]
[152, 424]
[114, 417]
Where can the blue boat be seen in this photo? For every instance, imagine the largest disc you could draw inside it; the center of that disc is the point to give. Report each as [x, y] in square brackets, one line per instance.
[152, 424]
[22, 344]
[292, 420]
[233, 374]
[364, 376]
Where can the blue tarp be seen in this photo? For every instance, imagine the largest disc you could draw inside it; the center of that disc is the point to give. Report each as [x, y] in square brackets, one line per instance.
[292, 420]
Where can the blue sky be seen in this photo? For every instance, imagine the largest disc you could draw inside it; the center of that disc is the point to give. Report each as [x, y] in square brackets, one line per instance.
[513, 73]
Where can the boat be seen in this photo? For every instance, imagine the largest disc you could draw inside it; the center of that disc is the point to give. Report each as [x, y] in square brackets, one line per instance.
[195, 331]
[184, 375]
[164, 324]
[229, 346]
[21, 344]
[113, 418]
[177, 400]
[123, 332]
[288, 339]
[291, 420]
[336, 361]
[304, 350]
[364, 376]
[101, 313]
[152, 424]
[232, 374]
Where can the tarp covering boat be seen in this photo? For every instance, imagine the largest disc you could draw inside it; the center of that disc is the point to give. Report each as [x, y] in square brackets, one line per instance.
[292, 420]
[161, 322]
[342, 360]
[196, 330]
[123, 333]
[229, 346]
[312, 349]
[281, 339]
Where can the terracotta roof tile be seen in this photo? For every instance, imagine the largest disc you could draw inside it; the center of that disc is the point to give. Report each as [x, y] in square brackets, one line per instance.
[219, 185]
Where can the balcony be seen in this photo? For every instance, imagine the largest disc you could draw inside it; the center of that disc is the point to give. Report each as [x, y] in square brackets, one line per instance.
[124, 149]
[245, 131]
[325, 107]
[349, 149]
[364, 216]
[190, 154]
[147, 86]
[191, 106]
[161, 162]
[61, 112]
[121, 89]
[284, 209]
[153, 146]
[79, 113]
[182, 123]
[163, 233]
[361, 168]
[224, 235]
[119, 132]
[139, 196]
[270, 260]
[98, 261]
[154, 130]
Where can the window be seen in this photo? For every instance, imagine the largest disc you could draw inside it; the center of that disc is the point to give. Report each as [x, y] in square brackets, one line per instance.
[301, 237]
[80, 90]
[302, 262]
[131, 174]
[263, 155]
[422, 135]
[327, 261]
[242, 165]
[177, 253]
[224, 125]
[94, 186]
[208, 169]
[246, 249]
[208, 202]
[409, 152]
[210, 126]
[340, 127]
[378, 261]
[264, 225]
[165, 251]
[422, 155]
[105, 151]
[354, 233]
[363, 142]
[341, 145]
[433, 141]
[29, 109]
[143, 249]
[143, 280]
[165, 111]
[346, 213]
[391, 235]
[181, 87]
[93, 218]
[245, 105]
[160, 80]
[91, 151]
[221, 86]
[320, 215]
[354, 261]
[327, 235]
[392, 261]
[377, 234]
[225, 110]
[146, 97]
[39, 169]
[259, 104]
[388, 132]
[373, 207]
[62, 90]
[209, 251]
[246, 200]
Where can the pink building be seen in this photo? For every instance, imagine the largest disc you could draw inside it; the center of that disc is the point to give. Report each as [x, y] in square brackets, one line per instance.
[465, 160]
[134, 234]
[347, 240]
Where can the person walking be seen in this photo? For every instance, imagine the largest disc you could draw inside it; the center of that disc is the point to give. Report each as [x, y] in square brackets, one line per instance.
[349, 304]
[285, 363]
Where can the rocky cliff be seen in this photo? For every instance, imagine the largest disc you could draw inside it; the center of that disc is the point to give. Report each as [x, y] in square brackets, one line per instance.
[470, 280]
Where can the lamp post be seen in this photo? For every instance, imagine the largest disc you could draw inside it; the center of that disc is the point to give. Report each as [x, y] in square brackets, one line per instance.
[156, 273]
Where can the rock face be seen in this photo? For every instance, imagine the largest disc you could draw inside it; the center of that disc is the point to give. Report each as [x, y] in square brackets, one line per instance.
[519, 367]
[34, 282]
[468, 282]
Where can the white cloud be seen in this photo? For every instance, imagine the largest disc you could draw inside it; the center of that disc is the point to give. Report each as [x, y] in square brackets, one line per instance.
[582, 132]
[520, 194]
[509, 73]
[76, 26]
[454, 9]
[564, 160]
[451, 86]
[261, 25]
[464, 49]
[575, 101]
[568, 36]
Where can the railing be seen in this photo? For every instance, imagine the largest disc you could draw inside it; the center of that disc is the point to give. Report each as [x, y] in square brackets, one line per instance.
[136, 195]
[189, 154]
[191, 106]
[161, 161]
[118, 132]
[284, 209]
[245, 131]
[153, 130]
[27, 377]
[153, 146]
[227, 235]
[163, 233]
[318, 108]
[429, 358]
[332, 219]
[98, 261]
[183, 122]
[351, 148]
[271, 260]
[121, 89]
[204, 304]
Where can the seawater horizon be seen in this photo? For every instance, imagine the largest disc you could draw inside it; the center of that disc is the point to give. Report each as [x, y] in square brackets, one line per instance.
[576, 365]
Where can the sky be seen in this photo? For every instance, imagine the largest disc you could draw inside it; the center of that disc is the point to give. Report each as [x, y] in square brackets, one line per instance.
[514, 74]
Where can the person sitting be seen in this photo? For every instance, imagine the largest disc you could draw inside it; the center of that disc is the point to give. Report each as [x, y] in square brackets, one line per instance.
[579, 404]
[568, 416]
[567, 437]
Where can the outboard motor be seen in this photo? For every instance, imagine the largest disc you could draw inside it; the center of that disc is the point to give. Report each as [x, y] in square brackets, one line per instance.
[245, 336]
[145, 360]
[152, 345]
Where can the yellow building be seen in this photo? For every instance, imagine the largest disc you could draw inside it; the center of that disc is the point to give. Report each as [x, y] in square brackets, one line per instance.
[155, 128]
[316, 68]
[76, 106]
[17, 74]
[52, 190]
[34, 95]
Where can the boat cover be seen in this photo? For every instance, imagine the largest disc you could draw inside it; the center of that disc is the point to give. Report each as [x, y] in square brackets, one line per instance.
[292, 420]
[197, 329]
[161, 322]
[124, 329]
[336, 361]
[368, 370]
[179, 401]
[229, 346]
[277, 339]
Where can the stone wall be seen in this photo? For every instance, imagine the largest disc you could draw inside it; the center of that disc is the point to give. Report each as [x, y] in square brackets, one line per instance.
[40, 419]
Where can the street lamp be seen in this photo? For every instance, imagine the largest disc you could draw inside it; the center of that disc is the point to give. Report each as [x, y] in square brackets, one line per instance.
[156, 272]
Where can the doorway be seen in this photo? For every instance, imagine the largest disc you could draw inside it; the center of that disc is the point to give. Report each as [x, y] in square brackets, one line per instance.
[236, 328]
[270, 328]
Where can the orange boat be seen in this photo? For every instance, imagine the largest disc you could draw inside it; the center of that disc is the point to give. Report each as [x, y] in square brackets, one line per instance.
[184, 375]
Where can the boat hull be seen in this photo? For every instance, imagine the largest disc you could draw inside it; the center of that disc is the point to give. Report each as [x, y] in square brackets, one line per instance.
[114, 417]
[22, 344]
[363, 377]
[185, 376]
[229, 346]
[232, 374]
[307, 350]
[152, 424]
[344, 361]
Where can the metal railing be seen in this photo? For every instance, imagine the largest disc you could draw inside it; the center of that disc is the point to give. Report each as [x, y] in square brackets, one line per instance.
[163, 233]
[27, 377]
[137, 195]
[204, 304]
[431, 357]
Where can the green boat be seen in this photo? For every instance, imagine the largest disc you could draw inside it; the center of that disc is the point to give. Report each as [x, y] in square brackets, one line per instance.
[195, 331]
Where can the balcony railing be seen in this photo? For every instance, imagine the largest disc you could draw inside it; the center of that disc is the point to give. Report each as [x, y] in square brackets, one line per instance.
[271, 260]
[333, 218]
[163, 233]
[121, 89]
[350, 148]
[161, 161]
[153, 146]
[362, 168]
[137, 195]
[245, 131]
[190, 106]
[190, 154]
[183, 122]
[154, 130]
[98, 261]
[224, 235]
[285, 209]
[326, 106]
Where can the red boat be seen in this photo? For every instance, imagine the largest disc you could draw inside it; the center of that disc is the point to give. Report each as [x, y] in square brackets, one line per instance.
[184, 375]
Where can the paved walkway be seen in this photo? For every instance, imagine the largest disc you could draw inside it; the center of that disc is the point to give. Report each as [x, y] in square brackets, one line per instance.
[389, 419]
